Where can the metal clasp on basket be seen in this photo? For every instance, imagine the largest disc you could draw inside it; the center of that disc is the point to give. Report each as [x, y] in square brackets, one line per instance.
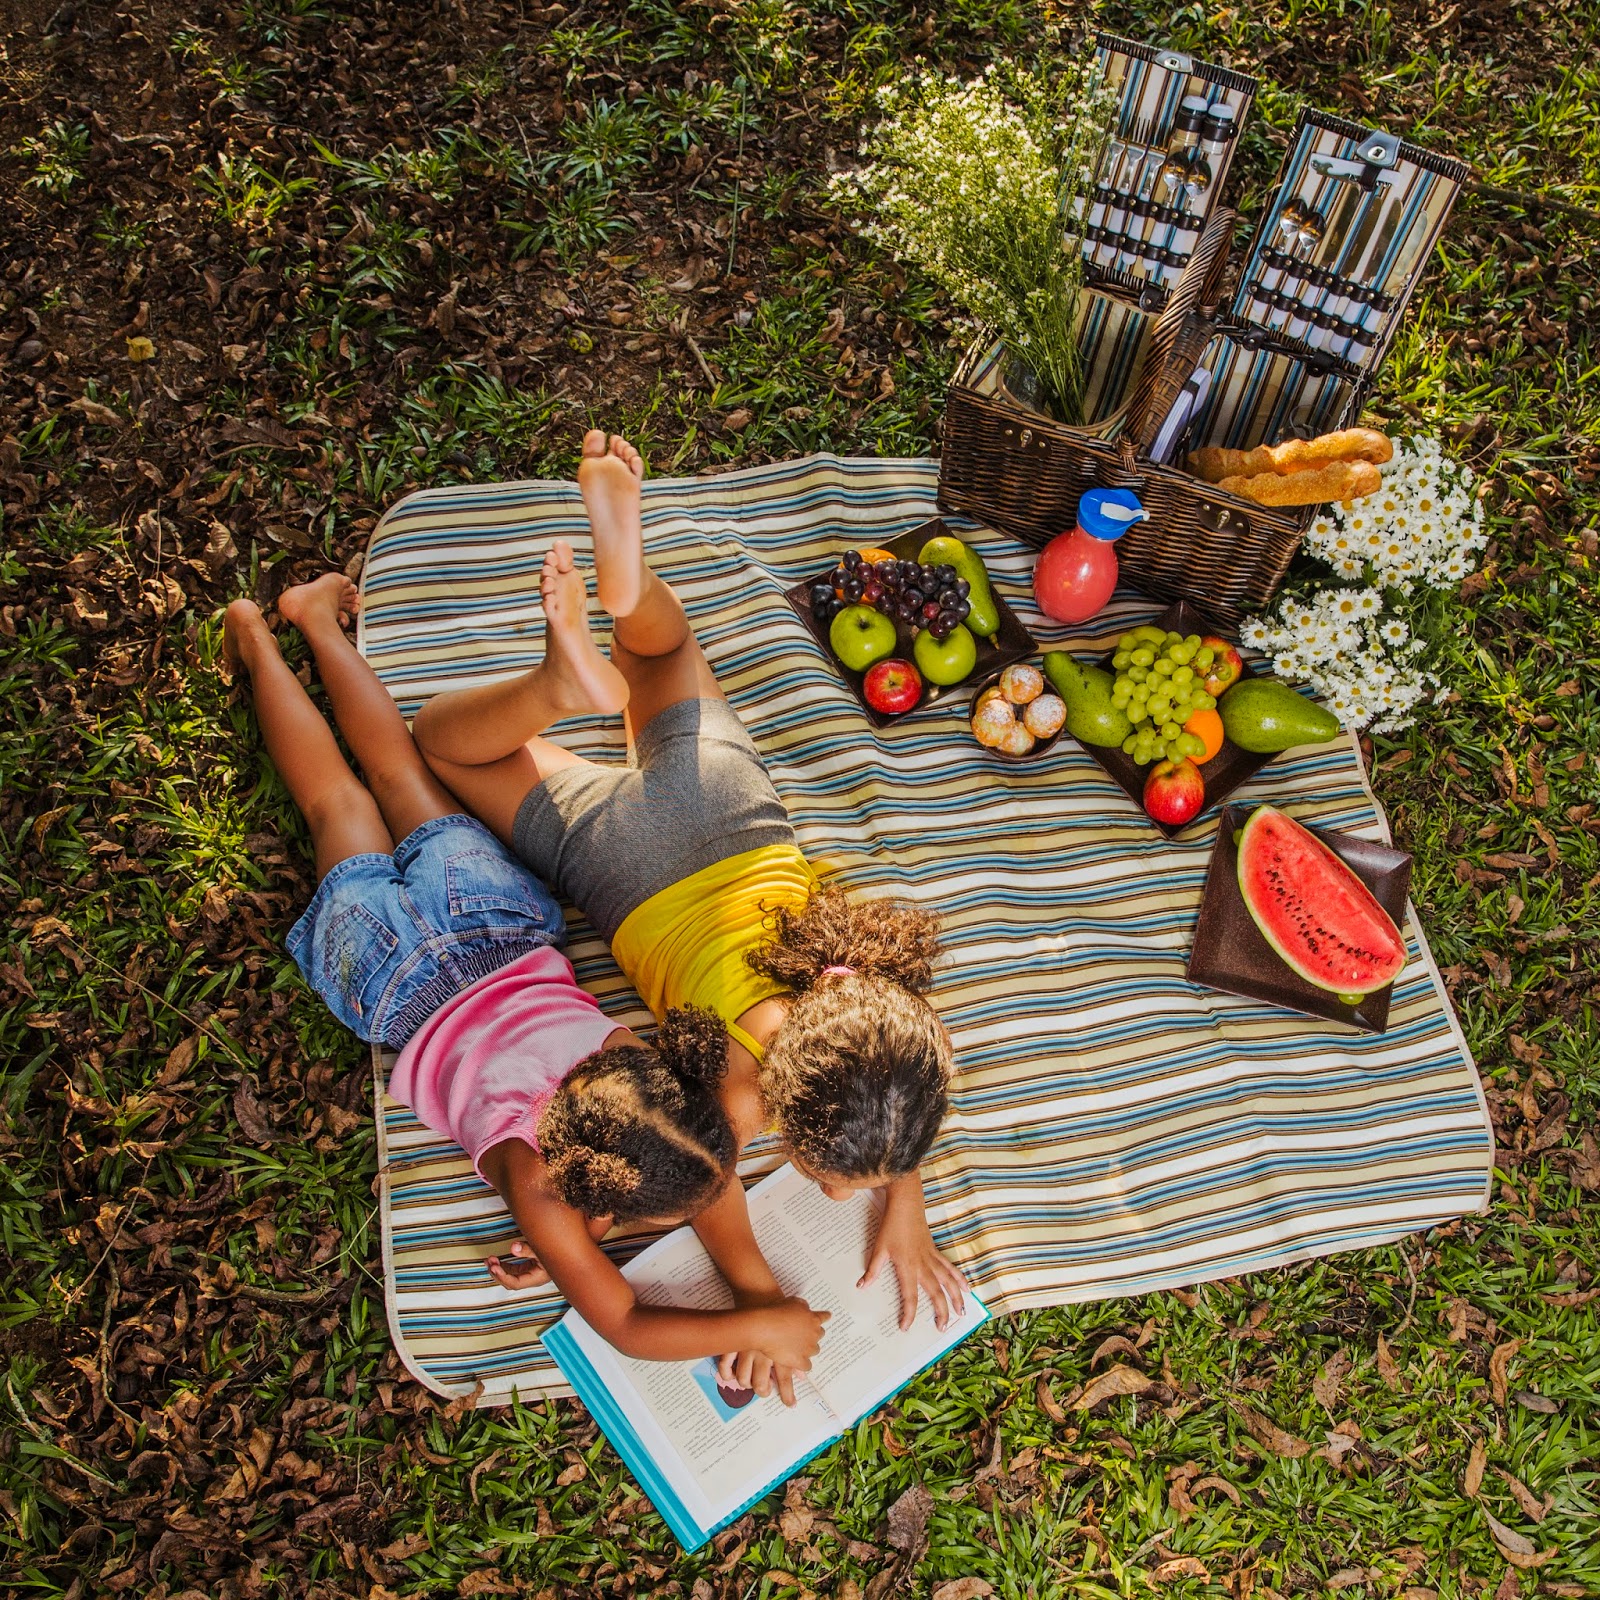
[1222, 519]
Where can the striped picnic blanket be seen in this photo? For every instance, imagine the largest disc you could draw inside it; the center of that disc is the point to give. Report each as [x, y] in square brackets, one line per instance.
[1115, 1129]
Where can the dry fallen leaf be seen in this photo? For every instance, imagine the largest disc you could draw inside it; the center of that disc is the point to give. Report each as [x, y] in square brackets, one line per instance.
[1498, 1363]
[1346, 1578]
[1325, 1386]
[484, 1581]
[1267, 1432]
[1178, 1567]
[1516, 1547]
[1215, 1483]
[908, 1523]
[1116, 1380]
[1388, 1367]
[1047, 1401]
[1472, 1479]
[1536, 1509]
[141, 349]
[963, 1589]
[1116, 1345]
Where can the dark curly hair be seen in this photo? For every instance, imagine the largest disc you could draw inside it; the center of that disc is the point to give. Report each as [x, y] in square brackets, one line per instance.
[858, 1074]
[638, 1131]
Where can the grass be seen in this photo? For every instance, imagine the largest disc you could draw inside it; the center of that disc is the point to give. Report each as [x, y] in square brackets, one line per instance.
[198, 1394]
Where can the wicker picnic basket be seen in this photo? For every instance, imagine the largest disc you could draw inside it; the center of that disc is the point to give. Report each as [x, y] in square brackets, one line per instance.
[1022, 472]
[1019, 470]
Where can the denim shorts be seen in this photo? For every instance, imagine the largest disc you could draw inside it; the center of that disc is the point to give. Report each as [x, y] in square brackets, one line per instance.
[387, 940]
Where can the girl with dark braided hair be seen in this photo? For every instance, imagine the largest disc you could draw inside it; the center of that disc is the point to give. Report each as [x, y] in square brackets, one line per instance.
[686, 863]
[442, 946]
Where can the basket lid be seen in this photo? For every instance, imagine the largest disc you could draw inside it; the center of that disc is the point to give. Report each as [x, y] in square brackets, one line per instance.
[1346, 236]
[1138, 236]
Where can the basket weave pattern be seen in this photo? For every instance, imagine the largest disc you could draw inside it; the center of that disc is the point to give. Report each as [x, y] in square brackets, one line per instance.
[1023, 473]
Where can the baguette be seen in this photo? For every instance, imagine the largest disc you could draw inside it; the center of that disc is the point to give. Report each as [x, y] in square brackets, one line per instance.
[1293, 455]
[1338, 480]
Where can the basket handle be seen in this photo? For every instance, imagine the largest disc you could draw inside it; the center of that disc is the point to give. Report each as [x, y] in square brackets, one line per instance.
[1182, 330]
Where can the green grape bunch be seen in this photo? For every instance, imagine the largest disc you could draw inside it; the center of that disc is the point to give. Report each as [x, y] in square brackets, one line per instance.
[1160, 684]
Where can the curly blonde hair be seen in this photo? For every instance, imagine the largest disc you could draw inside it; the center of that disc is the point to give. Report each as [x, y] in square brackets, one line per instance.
[858, 1074]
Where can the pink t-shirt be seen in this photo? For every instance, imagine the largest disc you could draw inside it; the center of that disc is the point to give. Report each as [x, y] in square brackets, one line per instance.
[484, 1066]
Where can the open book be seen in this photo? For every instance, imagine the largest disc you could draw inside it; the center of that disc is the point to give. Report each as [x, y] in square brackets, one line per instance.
[704, 1452]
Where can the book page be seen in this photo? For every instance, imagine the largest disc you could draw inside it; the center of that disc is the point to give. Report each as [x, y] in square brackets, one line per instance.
[717, 1446]
[818, 1249]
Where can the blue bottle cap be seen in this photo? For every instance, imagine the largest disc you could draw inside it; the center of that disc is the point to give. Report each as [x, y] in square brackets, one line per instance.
[1109, 513]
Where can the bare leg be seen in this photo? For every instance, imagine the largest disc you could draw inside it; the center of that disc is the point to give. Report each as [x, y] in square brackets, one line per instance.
[652, 643]
[343, 817]
[470, 727]
[484, 743]
[406, 792]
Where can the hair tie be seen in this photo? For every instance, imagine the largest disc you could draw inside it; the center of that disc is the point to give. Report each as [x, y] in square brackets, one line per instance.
[838, 972]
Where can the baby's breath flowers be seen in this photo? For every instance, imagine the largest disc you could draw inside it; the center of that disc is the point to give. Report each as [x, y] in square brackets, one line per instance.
[978, 183]
[1357, 639]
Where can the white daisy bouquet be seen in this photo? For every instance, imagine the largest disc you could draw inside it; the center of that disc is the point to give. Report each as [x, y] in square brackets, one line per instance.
[979, 184]
[1361, 638]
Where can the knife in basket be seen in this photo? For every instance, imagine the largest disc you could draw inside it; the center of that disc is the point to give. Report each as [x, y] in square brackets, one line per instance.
[1404, 261]
[1342, 306]
[1354, 246]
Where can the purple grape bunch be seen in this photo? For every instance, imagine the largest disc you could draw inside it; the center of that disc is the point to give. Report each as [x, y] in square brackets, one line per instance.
[909, 592]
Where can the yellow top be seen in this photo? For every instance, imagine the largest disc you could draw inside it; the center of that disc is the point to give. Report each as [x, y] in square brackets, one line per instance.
[686, 945]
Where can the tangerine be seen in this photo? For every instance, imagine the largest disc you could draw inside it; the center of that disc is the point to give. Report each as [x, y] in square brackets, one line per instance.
[1206, 725]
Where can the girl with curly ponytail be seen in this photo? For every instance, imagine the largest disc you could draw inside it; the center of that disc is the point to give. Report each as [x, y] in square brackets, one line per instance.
[632, 1133]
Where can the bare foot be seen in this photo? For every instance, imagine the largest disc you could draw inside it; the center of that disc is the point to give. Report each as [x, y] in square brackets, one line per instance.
[330, 598]
[609, 476]
[244, 632]
[580, 679]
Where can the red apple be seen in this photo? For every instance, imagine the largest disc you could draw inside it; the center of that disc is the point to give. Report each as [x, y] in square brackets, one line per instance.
[1227, 667]
[892, 687]
[1174, 792]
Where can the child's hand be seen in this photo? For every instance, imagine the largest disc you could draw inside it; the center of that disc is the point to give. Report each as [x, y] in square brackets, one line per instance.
[530, 1274]
[510, 1275]
[790, 1335]
[905, 1242]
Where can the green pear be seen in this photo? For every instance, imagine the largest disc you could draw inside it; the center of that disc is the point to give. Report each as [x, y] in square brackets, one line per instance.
[1086, 690]
[945, 550]
[1265, 716]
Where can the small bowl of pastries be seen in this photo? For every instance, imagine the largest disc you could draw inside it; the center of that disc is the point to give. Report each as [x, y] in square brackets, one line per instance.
[1015, 714]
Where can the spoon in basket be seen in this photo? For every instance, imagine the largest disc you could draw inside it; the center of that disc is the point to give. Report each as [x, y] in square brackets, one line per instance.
[1288, 226]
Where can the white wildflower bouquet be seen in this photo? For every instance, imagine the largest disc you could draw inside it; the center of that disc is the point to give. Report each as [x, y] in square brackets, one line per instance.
[981, 184]
[1362, 638]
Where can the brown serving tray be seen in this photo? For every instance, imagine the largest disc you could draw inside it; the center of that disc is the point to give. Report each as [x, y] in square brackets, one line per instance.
[1222, 774]
[1012, 642]
[1231, 954]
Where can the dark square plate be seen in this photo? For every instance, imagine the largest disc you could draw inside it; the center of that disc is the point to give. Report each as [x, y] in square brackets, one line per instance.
[1012, 642]
[1222, 774]
[1230, 953]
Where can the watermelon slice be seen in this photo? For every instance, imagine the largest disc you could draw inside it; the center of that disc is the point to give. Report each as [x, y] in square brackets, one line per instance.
[1314, 911]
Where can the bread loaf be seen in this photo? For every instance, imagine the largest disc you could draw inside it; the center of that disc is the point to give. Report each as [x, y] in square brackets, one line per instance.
[1339, 480]
[1293, 455]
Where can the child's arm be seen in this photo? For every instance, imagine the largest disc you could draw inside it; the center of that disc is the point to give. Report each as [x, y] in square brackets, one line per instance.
[786, 1327]
[724, 1229]
[906, 1243]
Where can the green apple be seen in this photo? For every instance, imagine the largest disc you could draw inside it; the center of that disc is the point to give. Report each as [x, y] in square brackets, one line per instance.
[948, 662]
[859, 636]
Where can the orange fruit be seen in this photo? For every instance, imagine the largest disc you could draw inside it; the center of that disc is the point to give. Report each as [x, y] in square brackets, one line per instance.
[1208, 726]
[872, 555]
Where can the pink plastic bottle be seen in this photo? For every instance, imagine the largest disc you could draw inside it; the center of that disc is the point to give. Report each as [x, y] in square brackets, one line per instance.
[1077, 571]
